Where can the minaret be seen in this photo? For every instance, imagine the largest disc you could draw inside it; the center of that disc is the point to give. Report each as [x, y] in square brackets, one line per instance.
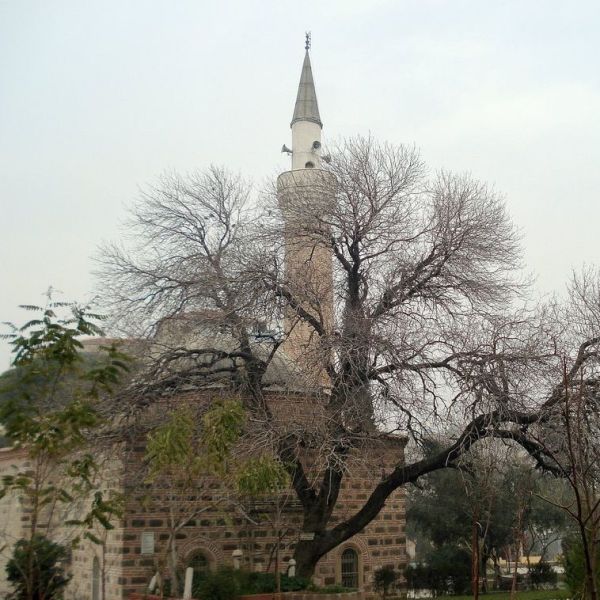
[305, 196]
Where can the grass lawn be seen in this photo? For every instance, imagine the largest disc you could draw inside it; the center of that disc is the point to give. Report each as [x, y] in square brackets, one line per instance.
[532, 595]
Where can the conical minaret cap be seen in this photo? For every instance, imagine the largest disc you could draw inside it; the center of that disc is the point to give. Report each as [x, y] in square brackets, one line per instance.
[307, 108]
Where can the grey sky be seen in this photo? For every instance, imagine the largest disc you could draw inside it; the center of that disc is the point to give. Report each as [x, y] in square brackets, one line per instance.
[97, 98]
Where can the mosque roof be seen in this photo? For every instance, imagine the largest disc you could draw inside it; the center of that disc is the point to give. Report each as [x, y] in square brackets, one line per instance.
[201, 331]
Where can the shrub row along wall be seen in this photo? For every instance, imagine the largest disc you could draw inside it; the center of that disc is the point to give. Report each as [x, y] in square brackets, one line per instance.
[284, 595]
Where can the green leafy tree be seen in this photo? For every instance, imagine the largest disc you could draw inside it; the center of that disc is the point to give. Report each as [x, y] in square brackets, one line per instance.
[264, 476]
[182, 455]
[488, 512]
[186, 453]
[48, 408]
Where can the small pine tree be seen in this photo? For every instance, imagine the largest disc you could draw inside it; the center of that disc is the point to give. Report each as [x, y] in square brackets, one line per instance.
[35, 569]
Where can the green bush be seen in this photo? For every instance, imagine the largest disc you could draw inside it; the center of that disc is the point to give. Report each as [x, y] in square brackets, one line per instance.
[264, 583]
[220, 585]
[242, 583]
[384, 579]
[575, 567]
[333, 589]
[447, 570]
[48, 576]
[542, 575]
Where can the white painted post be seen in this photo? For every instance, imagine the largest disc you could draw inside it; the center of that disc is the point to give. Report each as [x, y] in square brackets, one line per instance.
[153, 583]
[292, 568]
[236, 555]
[187, 588]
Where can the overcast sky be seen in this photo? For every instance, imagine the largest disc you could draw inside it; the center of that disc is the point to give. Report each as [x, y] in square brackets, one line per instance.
[98, 98]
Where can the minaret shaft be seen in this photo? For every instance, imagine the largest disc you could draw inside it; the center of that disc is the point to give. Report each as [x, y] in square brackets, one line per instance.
[305, 194]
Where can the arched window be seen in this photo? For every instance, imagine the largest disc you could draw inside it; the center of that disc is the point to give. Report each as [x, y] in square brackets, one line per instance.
[95, 579]
[309, 165]
[349, 568]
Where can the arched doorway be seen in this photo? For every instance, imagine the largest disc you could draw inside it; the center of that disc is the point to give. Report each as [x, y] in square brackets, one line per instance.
[96, 576]
[349, 568]
[198, 560]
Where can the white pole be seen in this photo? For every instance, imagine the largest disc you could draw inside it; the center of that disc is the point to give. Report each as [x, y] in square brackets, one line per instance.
[236, 555]
[292, 568]
[187, 588]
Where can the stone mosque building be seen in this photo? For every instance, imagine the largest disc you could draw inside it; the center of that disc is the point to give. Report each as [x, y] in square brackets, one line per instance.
[127, 561]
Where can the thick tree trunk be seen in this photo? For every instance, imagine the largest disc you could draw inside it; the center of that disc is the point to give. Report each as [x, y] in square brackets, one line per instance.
[307, 557]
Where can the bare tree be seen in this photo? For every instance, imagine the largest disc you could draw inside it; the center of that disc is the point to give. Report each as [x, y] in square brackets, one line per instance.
[564, 438]
[415, 331]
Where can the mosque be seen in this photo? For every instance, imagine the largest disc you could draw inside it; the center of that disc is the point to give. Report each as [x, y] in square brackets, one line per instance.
[127, 561]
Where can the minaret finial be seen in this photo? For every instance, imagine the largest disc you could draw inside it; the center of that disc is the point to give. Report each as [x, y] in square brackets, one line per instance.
[307, 43]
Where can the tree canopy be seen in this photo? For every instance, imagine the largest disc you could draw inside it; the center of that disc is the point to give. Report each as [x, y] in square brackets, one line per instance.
[424, 329]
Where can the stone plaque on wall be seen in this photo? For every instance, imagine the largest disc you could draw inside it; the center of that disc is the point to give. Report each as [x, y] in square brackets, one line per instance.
[147, 542]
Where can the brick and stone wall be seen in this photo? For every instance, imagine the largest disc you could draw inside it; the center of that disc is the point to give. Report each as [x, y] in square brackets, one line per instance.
[134, 550]
[221, 528]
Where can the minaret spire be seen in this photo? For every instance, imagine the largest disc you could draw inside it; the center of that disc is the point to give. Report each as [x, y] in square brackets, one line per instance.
[307, 108]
